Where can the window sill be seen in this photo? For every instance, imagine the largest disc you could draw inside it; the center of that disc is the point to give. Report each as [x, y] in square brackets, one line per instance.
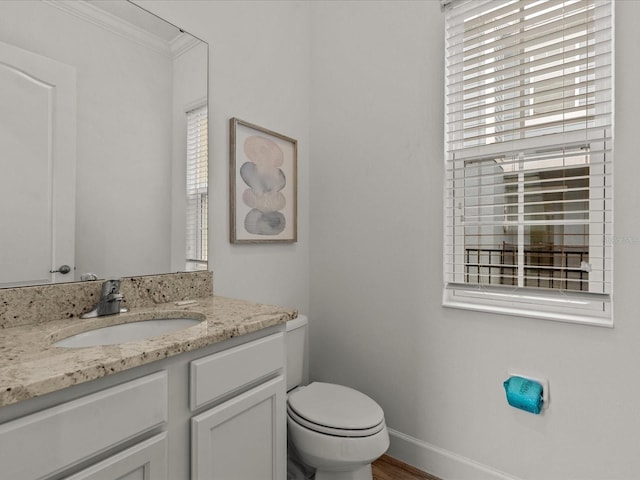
[561, 306]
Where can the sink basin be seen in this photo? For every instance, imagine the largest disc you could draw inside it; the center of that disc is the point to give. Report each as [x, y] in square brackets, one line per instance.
[126, 332]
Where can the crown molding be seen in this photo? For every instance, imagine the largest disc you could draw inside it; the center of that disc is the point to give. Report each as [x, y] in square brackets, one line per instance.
[183, 43]
[113, 24]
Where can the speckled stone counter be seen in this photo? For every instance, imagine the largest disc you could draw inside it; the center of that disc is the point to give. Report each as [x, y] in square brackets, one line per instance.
[44, 303]
[31, 366]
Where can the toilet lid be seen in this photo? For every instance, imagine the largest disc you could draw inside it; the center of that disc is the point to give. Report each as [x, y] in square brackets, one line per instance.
[336, 406]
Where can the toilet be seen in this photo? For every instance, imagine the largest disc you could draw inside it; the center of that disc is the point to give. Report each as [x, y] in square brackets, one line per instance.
[336, 430]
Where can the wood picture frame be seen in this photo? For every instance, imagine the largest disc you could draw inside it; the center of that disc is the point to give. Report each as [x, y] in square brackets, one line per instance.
[263, 185]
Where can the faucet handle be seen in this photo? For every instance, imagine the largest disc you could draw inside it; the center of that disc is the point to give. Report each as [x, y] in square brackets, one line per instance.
[109, 287]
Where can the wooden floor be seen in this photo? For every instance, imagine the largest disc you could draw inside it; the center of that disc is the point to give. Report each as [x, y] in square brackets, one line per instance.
[388, 468]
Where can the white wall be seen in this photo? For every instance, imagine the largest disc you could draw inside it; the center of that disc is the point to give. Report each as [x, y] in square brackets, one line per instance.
[259, 67]
[376, 90]
[376, 177]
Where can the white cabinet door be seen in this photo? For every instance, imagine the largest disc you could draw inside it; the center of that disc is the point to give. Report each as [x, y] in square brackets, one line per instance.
[244, 438]
[37, 167]
[144, 461]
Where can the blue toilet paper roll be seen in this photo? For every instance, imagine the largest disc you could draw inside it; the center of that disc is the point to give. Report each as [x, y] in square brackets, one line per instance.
[524, 394]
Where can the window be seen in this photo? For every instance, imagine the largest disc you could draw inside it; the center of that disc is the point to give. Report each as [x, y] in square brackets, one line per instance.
[529, 142]
[197, 189]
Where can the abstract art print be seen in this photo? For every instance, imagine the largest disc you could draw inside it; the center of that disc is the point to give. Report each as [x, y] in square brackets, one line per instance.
[263, 184]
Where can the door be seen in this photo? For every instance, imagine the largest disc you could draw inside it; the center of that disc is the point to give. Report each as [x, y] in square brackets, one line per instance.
[37, 168]
[243, 438]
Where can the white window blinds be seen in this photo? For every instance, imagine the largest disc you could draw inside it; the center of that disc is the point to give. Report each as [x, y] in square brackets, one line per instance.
[197, 189]
[529, 139]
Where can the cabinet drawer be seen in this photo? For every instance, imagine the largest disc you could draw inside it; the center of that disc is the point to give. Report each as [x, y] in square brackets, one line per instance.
[221, 373]
[147, 460]
[47, 442]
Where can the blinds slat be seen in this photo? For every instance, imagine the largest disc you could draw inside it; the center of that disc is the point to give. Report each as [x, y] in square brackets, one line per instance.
[521, 74]
[477, 27]
[536, 136]
[479, 94]
[512, 148]
[522, 37]
[524, 33]
[498, 63]
[550, 108]
[481, 11]
[529, 131]
[517, 65]
[544, 34]
[557, 93]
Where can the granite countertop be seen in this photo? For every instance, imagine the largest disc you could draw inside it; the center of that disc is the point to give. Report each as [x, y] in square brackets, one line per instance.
[31, 366]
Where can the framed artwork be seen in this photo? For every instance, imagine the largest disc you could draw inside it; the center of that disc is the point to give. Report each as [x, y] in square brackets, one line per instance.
[263, 185]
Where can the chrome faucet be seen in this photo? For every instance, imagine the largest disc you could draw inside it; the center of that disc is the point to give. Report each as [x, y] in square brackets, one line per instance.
[110, 299]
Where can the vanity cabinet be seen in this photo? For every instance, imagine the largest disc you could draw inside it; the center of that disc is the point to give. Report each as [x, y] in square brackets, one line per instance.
[213, 413]
[52, 440]
[243, 437]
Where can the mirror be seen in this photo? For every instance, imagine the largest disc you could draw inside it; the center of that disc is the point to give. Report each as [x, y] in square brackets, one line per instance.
[103, 186]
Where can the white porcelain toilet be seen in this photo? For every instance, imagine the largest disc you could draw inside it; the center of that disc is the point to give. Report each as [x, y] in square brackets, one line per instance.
[336, 430]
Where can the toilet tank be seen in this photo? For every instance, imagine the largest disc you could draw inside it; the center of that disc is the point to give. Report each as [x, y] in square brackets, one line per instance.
[296, 341]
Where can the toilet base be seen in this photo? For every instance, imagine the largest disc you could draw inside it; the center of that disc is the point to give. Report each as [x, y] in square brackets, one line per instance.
[362, 473]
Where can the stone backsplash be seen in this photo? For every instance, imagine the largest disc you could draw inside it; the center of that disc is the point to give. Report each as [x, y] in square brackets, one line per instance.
[42, 303]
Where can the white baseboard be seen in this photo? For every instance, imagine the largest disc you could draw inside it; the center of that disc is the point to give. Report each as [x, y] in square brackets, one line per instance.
[440, 462]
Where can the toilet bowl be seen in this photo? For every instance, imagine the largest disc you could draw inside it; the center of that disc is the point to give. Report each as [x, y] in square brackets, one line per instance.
[336, 430]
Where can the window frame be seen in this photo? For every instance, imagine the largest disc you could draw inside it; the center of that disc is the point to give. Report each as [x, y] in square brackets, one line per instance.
[593, 308]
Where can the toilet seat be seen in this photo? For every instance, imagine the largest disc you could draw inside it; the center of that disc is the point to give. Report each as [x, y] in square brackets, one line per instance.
[335, 410]
[336, 432]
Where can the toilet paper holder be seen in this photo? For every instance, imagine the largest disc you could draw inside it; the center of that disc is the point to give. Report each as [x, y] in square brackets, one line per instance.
[542, 381]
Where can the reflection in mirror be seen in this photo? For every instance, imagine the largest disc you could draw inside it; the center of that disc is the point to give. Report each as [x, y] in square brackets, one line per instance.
[103, 142]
